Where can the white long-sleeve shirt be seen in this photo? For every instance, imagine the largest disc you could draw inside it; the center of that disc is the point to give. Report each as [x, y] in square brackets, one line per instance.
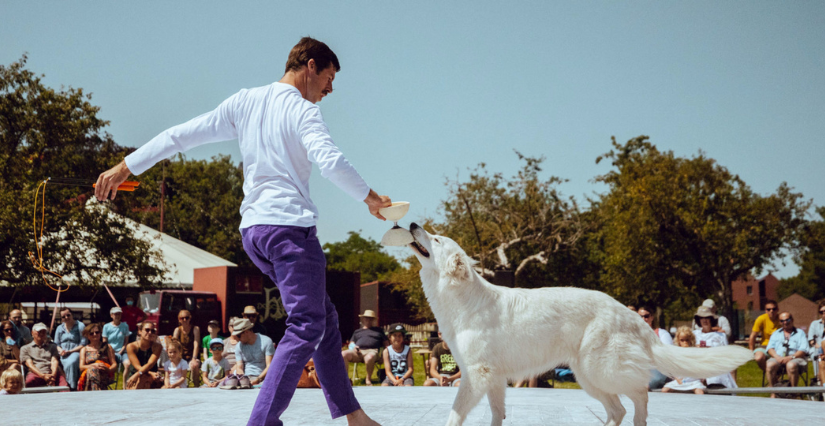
[280, 135]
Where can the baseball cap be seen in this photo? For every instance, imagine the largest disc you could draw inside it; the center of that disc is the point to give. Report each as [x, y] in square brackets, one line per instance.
[216, 341]
[214, 322]
[397, 328]
[39, 326]
[115, 310]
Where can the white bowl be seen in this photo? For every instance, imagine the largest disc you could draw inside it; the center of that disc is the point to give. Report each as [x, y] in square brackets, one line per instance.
[397, 236]
[396, 211]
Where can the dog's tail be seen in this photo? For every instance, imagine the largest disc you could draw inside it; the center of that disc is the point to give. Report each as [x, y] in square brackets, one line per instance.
[699, 363]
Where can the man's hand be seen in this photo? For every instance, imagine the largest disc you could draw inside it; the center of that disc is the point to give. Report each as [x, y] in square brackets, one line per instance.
[132, 380]
[785, 359]
[376, 202]
[110, 180]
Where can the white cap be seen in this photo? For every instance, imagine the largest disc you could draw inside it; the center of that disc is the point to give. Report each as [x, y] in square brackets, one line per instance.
[39, 326]
[115, 310]
[708, 303]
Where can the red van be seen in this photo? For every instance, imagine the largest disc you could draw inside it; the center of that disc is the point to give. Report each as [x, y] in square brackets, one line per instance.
[162, 307]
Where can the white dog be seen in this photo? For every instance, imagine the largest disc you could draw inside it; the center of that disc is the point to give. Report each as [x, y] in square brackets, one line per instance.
[492, 332]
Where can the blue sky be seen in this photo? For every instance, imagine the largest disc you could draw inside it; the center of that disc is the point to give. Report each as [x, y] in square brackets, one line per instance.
[430, 89]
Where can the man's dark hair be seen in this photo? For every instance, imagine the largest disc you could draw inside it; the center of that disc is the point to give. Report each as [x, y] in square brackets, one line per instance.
[309, 48]
[771, 302]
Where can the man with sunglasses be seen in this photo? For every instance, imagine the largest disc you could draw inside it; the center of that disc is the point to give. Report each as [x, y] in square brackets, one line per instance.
[22, 334]
[251, 314]
[816, 332]
[765, 324]
[788, 348]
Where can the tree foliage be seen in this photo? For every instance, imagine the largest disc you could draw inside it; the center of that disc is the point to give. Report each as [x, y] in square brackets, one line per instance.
[810, 282]
[56, 133]
[357, 254]
[686, 227]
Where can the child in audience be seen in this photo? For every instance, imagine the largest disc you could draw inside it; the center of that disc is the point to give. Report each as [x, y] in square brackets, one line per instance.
[176, 367]
[216, 367]
[11, 382]
[398, 360]
[214, 328]
[686, 339]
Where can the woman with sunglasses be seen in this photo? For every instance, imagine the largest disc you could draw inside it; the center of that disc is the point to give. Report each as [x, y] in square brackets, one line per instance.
[69, 340]
[97, 359]
[189, 336]
[816, 331]
[657, 379]
[9, 352]
[143, 357]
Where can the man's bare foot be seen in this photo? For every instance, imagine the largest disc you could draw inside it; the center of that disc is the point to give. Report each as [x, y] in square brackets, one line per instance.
[360, 418]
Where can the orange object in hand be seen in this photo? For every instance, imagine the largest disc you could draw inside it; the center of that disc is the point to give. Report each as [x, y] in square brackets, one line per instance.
[129, 186]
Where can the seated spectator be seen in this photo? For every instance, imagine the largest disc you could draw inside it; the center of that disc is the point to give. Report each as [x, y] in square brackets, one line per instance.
[788, 347]
[443, 367]
[254, 353]
[42, 359]
[216, 367]
[9, 351]
[190, 337]
[765, 325]
[706, 337]
[229, 345]
[11, 382]
[97, 360]
[213, 327]
[251, 314]
[398, 359]
[116, 334]
[723, 325]
[686, 339]
[815, 334]
[176, 367]
[365, 344]
[143, 356]
[69, 340]
[22, 334]
[657, 379]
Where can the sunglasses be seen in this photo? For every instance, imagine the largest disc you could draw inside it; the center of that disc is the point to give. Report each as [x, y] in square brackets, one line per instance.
[646, 316]
[217, 348]
[822, 311]
[66, 316]
[785, 320]
[770, 309]
[95, 333]
[249, 315]
[8, 329]
[185, 318]
[150, 330]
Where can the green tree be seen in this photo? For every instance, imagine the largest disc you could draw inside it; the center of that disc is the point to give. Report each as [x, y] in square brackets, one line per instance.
[201, 205]
[357, 254]
[676, 228]
[810, 282]
[49, 133]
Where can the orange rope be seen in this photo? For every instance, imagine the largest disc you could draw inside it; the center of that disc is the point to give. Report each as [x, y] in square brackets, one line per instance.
[38, 262]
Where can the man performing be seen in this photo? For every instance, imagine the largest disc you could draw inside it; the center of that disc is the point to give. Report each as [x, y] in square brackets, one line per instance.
[281, 133]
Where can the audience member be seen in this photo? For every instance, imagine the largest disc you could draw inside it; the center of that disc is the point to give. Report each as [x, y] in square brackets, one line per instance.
[69, 339]
[22, 334]
[765, 324]
[214, 328]
[230, 343]
[631, 307]
[42, 359]
[365, 344]
[657, 379]
[686, 339]
[97, 360]
[816, 331]
[190, 337]
[143, 356]
[9, 351]
[216, 367]
[788, 347]
[176, 367]
[132, 316]
[116, 334]
[398, 359]
[707, 337]
[444, 369]
[723, 323]
[251, 314]
[254, 352]
[11, 382]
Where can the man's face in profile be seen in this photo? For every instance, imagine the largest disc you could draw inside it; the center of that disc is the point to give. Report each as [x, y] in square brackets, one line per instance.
[319, 85]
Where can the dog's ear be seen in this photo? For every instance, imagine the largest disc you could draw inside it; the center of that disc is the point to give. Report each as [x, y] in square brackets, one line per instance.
[458, 266]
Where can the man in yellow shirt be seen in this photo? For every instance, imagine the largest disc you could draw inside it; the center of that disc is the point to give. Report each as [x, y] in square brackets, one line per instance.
[765, 324]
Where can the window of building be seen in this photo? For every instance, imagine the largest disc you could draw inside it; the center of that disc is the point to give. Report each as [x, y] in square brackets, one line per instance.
[750, 290]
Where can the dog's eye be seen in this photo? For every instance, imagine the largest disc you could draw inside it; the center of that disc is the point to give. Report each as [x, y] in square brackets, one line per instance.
[436, 240]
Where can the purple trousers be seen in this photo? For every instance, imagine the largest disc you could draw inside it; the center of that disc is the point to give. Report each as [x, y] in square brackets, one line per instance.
[293, 258]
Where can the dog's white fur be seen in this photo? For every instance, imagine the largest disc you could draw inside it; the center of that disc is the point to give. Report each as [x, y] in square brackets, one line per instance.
[497, 333]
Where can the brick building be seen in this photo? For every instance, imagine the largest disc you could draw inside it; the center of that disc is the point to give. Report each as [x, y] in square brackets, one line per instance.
[750, 294]
[804, 311]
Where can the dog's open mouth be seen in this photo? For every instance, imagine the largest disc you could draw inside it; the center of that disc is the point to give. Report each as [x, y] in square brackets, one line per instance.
[419, 248]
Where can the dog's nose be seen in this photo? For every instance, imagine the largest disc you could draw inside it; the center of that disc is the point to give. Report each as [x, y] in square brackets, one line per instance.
[414, 226]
